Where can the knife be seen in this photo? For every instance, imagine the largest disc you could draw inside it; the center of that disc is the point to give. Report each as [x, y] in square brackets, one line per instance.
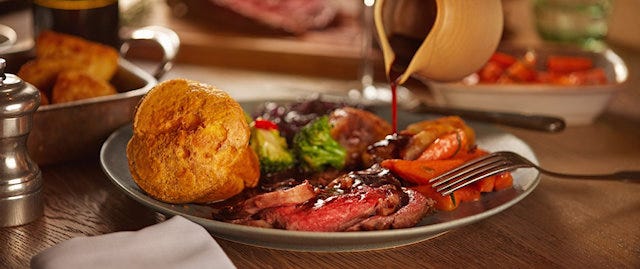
[527, 121]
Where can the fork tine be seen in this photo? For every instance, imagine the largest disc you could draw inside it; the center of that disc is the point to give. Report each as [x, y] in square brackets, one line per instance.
[446, 190]
[474, 171]
[465, 168]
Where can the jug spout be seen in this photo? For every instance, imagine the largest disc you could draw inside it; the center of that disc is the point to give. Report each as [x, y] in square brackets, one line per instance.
[442, 40]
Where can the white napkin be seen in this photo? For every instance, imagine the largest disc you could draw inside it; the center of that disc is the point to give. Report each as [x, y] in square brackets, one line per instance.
[175, 243]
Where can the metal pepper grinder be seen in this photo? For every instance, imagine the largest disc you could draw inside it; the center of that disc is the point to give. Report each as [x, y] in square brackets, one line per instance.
[20, 178]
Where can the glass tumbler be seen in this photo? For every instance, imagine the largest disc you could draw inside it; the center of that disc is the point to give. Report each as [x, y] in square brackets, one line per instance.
[581, 22]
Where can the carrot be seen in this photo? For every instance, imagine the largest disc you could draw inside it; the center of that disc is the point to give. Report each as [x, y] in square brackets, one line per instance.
[420, 171]
[471, 154]
[593, 76]
[490, 72]
[446, 146]
[521, 72]
[567, 64]
[486, 184]
[448, 202]
[443, 203]
[503, 181]
[467, 194]
[502, 59]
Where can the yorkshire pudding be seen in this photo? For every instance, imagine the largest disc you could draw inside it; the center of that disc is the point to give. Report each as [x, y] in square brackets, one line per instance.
[191, 144]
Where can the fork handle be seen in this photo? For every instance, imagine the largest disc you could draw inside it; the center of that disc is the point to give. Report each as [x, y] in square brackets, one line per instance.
[629, 175]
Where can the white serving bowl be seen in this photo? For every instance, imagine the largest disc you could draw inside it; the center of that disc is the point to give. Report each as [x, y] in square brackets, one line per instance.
[577, 105]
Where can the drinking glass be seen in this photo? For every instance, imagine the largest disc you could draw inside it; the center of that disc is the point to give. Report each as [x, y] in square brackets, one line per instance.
[581, 22]
[91, 19]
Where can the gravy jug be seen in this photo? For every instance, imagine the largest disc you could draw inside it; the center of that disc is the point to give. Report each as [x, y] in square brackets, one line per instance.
[442, 40]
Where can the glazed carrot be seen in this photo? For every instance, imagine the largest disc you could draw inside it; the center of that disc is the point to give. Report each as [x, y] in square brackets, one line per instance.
[502, 59]
[471, 154]
[420, 171]
[520, 72]
[446, 146]
[485, 184]
[490, 72]
[467, 194]
[449, 202]
[593, 76]
[503, 181]
[566, 64]
[443, 203]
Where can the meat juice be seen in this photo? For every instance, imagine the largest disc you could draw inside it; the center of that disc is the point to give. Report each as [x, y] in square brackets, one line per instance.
[405, 47]
[394, 106]
[405, 39]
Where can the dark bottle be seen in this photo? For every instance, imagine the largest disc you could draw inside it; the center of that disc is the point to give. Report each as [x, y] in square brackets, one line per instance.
[96, 20]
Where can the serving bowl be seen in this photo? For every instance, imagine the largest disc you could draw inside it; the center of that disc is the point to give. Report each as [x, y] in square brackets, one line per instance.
[577, 105]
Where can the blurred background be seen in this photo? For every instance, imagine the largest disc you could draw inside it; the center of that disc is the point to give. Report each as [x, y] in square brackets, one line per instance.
[321, 38]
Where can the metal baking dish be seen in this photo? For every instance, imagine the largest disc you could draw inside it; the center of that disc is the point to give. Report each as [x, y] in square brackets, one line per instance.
[73, 130]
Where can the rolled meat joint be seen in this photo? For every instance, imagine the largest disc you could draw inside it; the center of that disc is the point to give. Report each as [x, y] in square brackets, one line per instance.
[190, 144]
[293, 16]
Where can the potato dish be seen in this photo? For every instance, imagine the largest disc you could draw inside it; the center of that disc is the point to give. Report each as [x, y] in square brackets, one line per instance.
[68, 68]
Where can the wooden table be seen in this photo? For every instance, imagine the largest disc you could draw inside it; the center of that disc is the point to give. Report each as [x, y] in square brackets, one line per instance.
[561, 224]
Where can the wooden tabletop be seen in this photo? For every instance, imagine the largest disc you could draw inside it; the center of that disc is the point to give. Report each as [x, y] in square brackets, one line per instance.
[561, 224]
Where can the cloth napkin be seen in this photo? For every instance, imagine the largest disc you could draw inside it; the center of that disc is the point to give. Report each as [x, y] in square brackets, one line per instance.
[175, 243]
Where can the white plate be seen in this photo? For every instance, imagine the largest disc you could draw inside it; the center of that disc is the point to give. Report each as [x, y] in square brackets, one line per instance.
[577, 105]
[114, 163]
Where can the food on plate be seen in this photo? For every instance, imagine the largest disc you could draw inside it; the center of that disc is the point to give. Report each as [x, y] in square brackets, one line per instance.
[371, 199]
[272, 149]
[385, 187]
[352, 128]
[57, 53]
[311, 165]
[317, 149]
[191, 144]
[433, 132]
[418, 172]
[504, 68]
[75, 85]
[356, 129]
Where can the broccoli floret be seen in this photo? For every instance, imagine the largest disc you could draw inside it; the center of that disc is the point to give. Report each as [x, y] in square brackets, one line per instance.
[272, 150]
[315, 147]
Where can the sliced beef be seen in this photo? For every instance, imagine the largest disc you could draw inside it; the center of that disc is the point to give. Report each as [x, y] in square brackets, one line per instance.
[246, 208]
[407, 216]
[336, 213]
[364, 200]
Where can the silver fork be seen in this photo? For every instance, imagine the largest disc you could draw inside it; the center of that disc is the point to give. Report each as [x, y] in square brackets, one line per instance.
[503, 161]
